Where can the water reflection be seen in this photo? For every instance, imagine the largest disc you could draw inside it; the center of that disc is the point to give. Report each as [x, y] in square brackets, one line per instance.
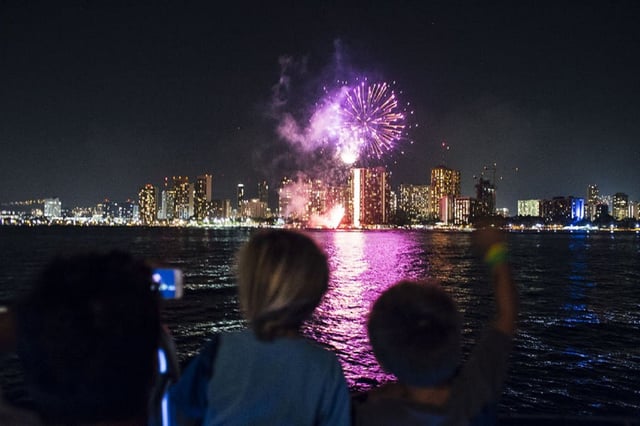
[363, 264]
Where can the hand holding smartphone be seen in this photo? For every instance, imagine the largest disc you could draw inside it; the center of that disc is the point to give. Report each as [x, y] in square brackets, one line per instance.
[169, 282]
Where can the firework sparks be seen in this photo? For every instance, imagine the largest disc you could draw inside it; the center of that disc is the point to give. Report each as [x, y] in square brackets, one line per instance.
[369, 121]
[357, 121]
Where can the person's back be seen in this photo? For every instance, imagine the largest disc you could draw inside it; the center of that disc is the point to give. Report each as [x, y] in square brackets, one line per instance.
[415, 331]
[269, 373]
[87, 336]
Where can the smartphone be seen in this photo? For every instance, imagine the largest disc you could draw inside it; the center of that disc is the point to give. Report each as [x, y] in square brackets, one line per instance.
[169, 282]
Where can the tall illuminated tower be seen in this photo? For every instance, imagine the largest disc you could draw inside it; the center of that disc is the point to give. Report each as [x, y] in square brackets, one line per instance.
[240, 201]
[593, 199]
[148, 201]
[183, 197]
[369, 196]
[203, 196]
[444, 182]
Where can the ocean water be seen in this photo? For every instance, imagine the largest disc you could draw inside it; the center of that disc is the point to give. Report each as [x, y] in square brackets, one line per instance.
[577, 351]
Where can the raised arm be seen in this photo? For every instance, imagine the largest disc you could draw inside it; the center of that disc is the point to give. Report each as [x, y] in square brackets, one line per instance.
[492, 245]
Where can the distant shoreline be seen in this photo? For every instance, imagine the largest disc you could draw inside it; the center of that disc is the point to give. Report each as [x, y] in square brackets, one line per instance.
[436, 229]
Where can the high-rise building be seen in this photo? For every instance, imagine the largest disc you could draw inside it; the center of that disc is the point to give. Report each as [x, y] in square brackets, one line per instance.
[203, 196]
[240, 198]
[444, 182]
[593, 199]
[288, 196]
[529, 208]
[263, 192]
[317, 197]
[167, 205]
[486, 196]
[620, 208]
[183, 197]
[148, 201]
[369, 196]
[414, 201]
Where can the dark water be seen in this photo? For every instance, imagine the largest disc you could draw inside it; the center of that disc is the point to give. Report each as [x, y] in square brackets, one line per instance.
[577, 351]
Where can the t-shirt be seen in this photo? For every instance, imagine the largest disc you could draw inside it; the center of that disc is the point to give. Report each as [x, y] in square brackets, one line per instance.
[474, 392]
[286, 381]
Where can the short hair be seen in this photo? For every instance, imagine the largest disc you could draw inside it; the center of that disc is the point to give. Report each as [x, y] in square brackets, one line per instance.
[282, 276]
[415, 331]
[88, 336]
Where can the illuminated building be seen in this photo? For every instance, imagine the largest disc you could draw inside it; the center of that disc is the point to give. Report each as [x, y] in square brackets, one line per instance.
[291, 200]
[393, 202]
[577, 209]
[256, 209]
[502, 211]
[369, 196]
[203, 196]
[317, 197]
[529, 208]
[444, 182]
[183, 197]
[593, 199]
[52, 208]
[240, 198]
[148, 201]
[166, 211]
[463, 210]
[301, 200]
[414, 201]
[563, 210]
[446, 209]
[118, 212]
[336, 196]
[221, 209]
[620, 208]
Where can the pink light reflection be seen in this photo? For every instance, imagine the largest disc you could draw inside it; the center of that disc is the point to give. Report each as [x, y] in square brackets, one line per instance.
[363, 264]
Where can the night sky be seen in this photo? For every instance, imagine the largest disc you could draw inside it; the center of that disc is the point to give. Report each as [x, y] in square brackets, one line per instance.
[99, 98]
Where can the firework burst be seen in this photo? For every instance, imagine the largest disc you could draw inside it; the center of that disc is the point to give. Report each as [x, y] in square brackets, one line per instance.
[356, 122]
[368, 121]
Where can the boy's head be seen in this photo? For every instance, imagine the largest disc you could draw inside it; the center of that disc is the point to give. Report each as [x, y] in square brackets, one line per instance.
[414, 329]
[282, 276]
[88, 338]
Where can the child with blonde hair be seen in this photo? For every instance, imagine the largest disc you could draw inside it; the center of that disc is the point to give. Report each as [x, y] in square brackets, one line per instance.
[268, 373]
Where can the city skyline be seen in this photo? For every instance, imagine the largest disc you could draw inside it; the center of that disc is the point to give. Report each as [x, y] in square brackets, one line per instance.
[100, 98]
[444, 182]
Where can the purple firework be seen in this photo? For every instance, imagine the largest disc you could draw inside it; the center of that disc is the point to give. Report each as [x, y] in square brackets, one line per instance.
[371, 121]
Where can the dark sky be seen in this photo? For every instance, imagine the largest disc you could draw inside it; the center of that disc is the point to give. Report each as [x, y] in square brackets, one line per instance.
[99, 98]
